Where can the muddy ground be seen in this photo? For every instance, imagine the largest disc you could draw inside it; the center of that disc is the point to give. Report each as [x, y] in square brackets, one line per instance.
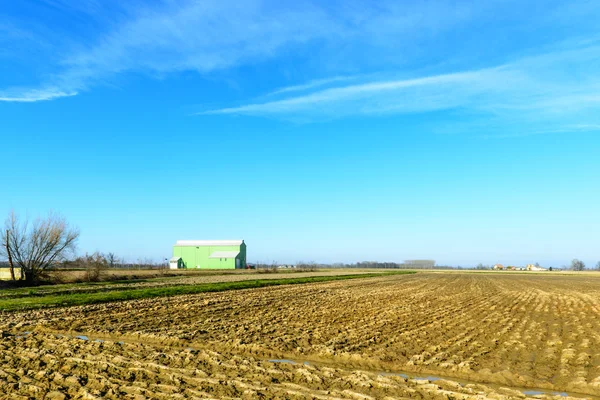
[487, 335]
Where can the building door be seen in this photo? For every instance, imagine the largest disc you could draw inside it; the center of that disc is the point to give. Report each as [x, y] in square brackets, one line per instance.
[237, 263]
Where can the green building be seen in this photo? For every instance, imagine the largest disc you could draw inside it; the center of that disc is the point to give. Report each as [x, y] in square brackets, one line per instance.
[209, 254]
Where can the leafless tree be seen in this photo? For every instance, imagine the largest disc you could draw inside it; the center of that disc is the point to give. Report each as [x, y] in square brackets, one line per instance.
[8, 254]
[274, 266]
[112, 260]
[163, 267]
[265, 268]
[95, 266]
[577, 265]
[309, 266]
[598, 265]
[37, 246]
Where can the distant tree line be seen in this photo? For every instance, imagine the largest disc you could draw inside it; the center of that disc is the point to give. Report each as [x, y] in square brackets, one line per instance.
[112, 262]
[576, 265]
[312, 265]
[413, 264]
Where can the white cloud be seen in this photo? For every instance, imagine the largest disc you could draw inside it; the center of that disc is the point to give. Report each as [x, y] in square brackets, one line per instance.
[190, 35]
[312, 85]
[32, 95]
[555, 88]
[557, 129]
[339, 38]
[170, 36]
[85, 6]
[370, 97]
[199, 36]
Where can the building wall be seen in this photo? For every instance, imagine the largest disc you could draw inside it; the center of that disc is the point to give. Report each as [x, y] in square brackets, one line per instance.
[197, 257]
[242, 255]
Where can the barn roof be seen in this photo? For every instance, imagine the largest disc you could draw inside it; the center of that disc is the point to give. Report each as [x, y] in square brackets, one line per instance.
[224, 254]
[176, 258]
[198, 243]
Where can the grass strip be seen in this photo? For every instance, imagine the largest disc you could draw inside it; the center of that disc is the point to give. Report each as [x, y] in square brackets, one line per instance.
[78, 299]
[65, 288]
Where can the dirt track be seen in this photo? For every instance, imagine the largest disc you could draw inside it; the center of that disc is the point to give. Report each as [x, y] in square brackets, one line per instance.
[507, 330]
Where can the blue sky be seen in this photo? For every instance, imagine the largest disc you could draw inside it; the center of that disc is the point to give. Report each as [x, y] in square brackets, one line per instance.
[332, 131]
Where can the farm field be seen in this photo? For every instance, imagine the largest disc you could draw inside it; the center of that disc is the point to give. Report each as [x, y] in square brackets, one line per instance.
[171, 278]
[67, 276]
[78, 294]
[469, 335]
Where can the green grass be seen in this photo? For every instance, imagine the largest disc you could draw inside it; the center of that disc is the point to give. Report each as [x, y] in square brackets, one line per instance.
[77, 299]
[65, 288]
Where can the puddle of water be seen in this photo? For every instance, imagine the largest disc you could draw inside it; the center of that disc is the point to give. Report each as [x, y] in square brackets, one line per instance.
[424, 378]
[394, 374]
[432, 378]
[22, 335]
[284, 361]
[537, 392]
[436, 378]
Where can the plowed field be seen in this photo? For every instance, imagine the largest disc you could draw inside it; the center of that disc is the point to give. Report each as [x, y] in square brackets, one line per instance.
[493, 333]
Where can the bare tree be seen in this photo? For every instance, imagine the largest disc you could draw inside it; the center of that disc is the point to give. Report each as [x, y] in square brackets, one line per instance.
[112, 260]
[577, 265]
[309, 266]
[10, 261]
[274, 266]
[36, 247]
[95, 266]
[598, 265]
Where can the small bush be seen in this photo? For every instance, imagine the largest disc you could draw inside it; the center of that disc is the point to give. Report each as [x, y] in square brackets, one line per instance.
[95, 266]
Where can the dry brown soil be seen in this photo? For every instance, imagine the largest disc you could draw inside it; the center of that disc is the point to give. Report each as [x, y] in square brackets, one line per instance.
[485, 334]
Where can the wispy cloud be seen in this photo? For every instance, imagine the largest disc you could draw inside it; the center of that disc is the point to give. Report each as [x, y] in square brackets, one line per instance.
[312, 85]
[434, 92]
[204, 36]
[200, 36]
[338, 38]
[560, 86]
[560, 129]
[86, 6]
[32, 95]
